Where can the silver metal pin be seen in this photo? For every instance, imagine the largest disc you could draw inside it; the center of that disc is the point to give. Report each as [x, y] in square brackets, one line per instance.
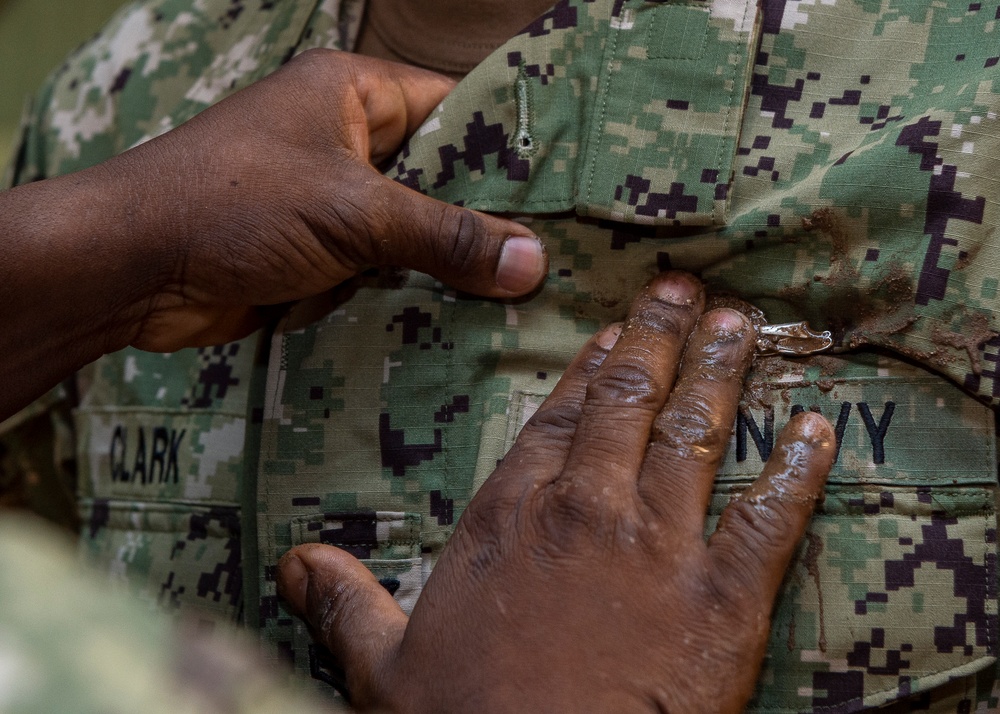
[796, 339]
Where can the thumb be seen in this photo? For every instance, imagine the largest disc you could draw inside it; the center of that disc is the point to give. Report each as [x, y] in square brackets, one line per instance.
[348, 611]
[481, 254]
[475, 252]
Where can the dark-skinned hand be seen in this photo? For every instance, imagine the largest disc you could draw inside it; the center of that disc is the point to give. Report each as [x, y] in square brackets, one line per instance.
[286, 203]
[579, 578]
[270, 196]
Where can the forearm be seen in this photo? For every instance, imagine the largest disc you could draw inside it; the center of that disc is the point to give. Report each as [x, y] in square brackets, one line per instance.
[267, 197]
[74, 279]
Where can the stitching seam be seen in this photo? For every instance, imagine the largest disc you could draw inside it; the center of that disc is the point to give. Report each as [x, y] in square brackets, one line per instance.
[729, 111]
[608, 59]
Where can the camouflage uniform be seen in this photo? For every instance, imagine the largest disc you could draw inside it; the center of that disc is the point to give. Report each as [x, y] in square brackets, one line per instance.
[823, 160]
[100, 654]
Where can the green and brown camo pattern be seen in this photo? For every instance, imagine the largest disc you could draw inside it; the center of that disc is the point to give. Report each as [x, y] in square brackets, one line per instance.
[826, 161]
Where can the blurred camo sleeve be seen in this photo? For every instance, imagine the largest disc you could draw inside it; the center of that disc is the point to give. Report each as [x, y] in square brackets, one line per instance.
[67, 644]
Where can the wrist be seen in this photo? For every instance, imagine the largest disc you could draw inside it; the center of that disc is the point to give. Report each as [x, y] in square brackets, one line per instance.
[78, 270]
[118, 264]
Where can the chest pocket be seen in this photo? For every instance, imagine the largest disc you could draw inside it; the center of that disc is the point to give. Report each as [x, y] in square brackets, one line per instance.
[893, 590]
[628, 111]
[160, 455]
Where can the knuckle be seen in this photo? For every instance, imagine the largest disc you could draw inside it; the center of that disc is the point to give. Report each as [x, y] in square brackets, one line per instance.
[629, 381]
[664, 317]
[690, 423]
[486, 538]
[557, 421]
[489, 515]
[463, 237]
[587, 503]
[311, 58]
[356, 240]
[735, 587]
[736, 590]
[757, 536]
[320, 63]
[570, 514]
[760, 525]
[690, 427]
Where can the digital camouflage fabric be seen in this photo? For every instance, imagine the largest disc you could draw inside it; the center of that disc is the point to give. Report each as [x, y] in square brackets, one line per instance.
[825, 161]
[102, 653]
[160, 493]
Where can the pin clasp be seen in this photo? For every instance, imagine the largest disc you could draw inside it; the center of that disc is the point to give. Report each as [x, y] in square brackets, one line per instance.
[791, 338]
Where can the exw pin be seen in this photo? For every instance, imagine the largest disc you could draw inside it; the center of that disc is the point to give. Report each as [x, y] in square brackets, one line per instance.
[792, 339]
[795, 339]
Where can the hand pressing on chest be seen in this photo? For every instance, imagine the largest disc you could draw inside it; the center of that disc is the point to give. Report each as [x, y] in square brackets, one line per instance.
[579, 578]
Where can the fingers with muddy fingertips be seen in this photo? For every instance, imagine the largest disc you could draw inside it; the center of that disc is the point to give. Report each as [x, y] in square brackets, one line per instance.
[539, 453]
[761, 528]
[690, 434]
[348, 611]
[631, 386]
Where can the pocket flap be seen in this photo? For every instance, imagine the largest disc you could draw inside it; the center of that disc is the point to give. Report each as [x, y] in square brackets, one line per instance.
[626, 110]
[388, 543]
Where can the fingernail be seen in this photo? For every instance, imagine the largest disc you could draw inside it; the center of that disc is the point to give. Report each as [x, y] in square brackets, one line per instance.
[522, 264]
[677, 288]
[293, 583]
[810, 428]
[726, 323]
[607, 337]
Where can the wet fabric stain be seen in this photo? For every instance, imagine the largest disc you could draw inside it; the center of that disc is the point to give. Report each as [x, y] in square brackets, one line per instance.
[811, 563]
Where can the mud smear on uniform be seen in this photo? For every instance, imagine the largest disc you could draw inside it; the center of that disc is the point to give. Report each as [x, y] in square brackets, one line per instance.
[759, 391]
[826, 222]
[871, 314]
[610, 292]
[811, 562]
[828, 366]
[978, 332]
[966, 258]
[769, 378]
[860, 311]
